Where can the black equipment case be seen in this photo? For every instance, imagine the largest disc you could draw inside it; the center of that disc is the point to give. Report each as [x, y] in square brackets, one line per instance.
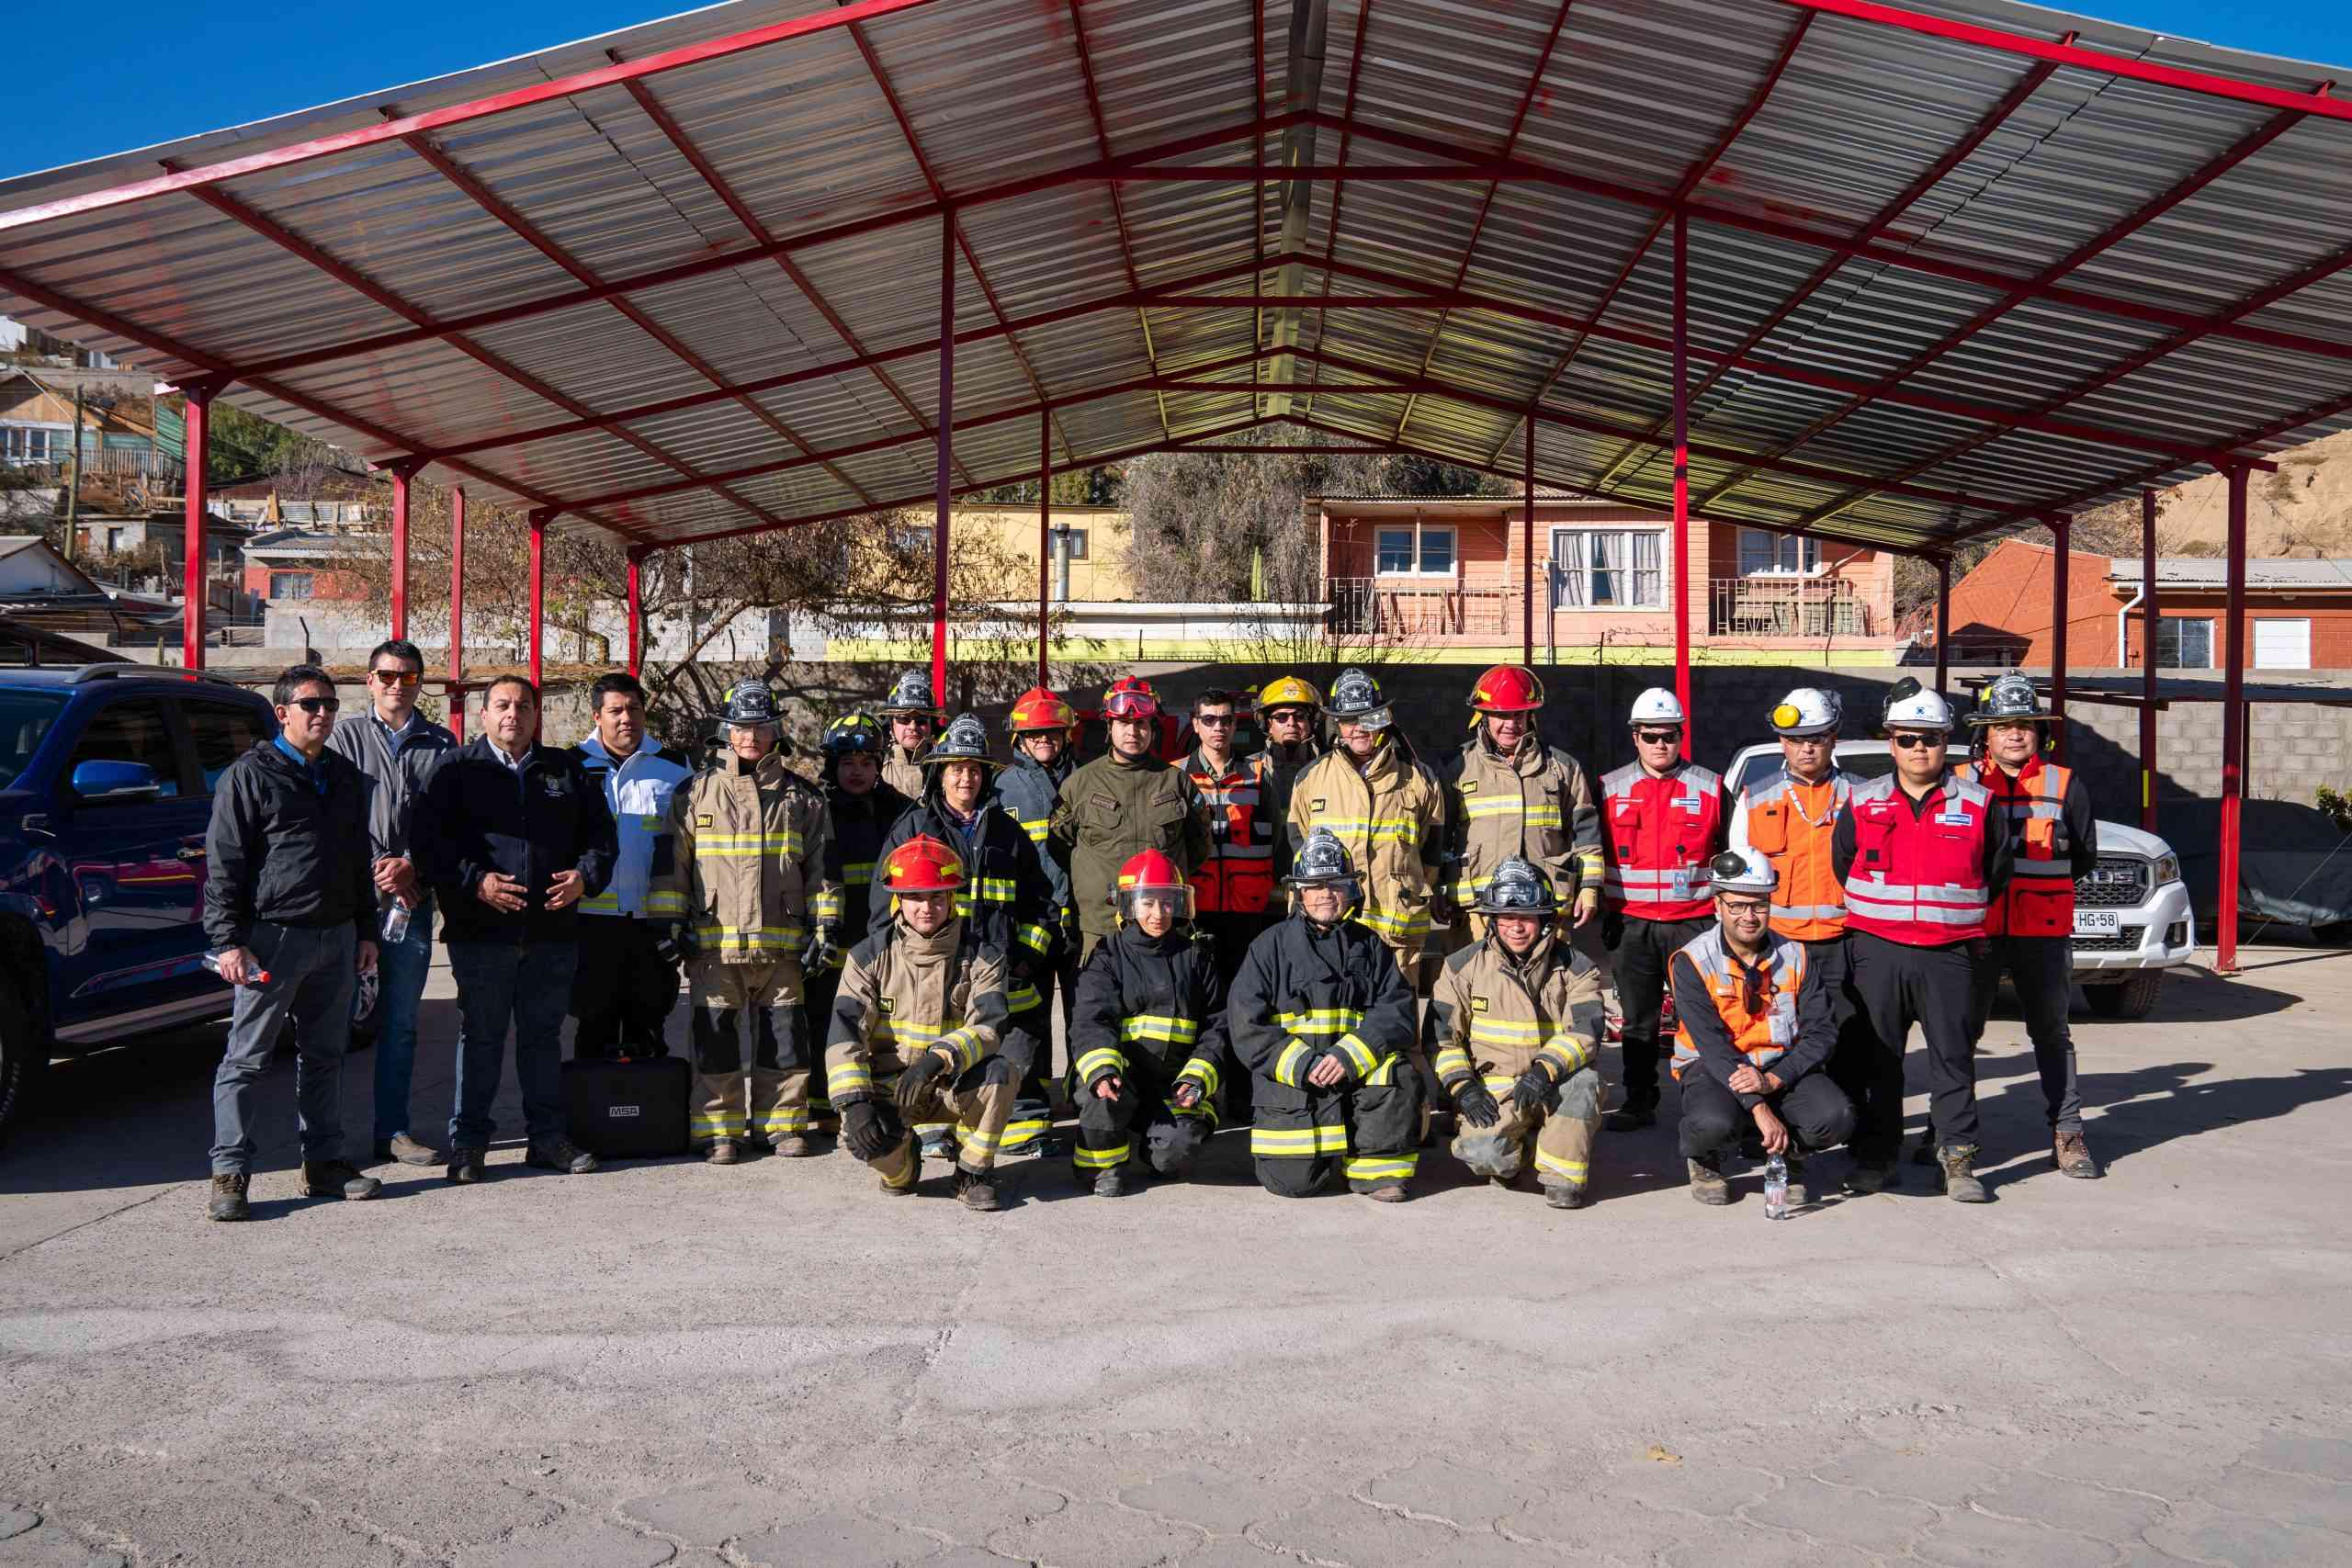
[628, 1108]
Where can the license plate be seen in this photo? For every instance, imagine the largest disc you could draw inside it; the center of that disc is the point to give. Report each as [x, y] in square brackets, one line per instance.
[2097, 922]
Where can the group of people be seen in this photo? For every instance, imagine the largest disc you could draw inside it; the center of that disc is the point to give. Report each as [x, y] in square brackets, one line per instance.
[1328, 940]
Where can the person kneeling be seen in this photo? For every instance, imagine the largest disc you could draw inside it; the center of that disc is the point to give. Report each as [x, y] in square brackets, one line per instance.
[1757, 1025]
[915, 1028]
[1323, 1019]
[1516, 1015]
[1148, 1033]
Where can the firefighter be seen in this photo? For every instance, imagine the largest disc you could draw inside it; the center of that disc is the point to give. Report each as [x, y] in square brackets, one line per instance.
[2053, 839]
[752, 842]
[1290, 709]
[1511, 795]
[1788, 817]
[1124, 802]
[915, 1028]
[1387, 810]
[1043, 758]
[914, 720]
[1662, 822]
[1322, 1019]
[1921, 853]
[1756, 1023]
[862, 810]
[1233, 886]
[1514, 1028]
[1004, 899]
[1149, 1042]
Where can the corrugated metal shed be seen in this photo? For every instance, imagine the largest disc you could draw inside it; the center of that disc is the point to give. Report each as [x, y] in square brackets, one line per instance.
[1951, 269]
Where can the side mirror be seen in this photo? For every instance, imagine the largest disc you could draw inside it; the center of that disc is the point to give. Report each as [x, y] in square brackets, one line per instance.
[115, 783]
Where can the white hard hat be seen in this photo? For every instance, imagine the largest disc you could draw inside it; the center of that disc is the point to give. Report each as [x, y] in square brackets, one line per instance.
[1920, 708]
[1743, 870]
[1807, 711]
[1656, 706]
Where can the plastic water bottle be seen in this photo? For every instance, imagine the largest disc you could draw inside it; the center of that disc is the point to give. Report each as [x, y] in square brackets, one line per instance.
[1776, 1188]
[396, 921]
[253, 976]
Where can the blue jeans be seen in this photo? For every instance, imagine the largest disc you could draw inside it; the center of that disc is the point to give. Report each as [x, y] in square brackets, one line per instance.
[524, 986]
[311, 977]
[400, 968]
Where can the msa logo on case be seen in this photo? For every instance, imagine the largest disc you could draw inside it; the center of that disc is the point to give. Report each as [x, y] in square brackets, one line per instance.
[619, 1112]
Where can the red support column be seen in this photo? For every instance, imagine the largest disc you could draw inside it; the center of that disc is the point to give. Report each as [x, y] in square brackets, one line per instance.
[1943, 624]
[400, 472]
[946, 473]
[636, 611]
[1682, 472]
[1045, 534]
[458, 614]
[1527, 547]
[192, 573]
[2233, 727]
[2061, 538]
[2149, 620]
[538, 589]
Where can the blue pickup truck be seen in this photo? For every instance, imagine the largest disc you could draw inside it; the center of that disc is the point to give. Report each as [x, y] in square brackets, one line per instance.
[106, 773]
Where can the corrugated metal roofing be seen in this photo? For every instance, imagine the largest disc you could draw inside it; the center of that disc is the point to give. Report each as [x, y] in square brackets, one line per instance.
[2261, 572]
[1951, 269]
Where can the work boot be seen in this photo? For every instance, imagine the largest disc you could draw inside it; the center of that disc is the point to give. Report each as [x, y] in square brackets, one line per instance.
[1392, 1193]
[336, 1179]
[2073, 1154]
[1871, 1176]
[722, 1151]
[559, 1153]
[1798, 1193]
[1632, 1117]
[1707, 1183]
[976, 1191]
[466, 1166]
[228, 1202]
[794, 1147]
[408, 1151]
[1565, 1194]
[1109, 1183]
[1960, 1183]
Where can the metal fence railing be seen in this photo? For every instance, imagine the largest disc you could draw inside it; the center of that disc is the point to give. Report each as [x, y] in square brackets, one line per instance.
[1790, 606]
[1372, 606]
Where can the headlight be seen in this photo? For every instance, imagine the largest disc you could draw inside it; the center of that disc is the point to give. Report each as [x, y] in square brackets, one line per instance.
[2167, 869]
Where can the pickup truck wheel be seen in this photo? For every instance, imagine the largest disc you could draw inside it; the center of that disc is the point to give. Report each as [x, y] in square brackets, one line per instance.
[23, 1058]
[2134, 997]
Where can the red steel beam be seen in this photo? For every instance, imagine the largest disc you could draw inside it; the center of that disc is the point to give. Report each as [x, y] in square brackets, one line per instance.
[2149, 620]
[2062, 540]
[1688, 183]
[1681, 307]
[538, 590]
[1486, 205]
[1943, 624]
[1119, 219]
[457, 612]
[2090, 249]
[1991, 120]
[636, 610]
[2233, 727]
[943, 478]
[196, 443]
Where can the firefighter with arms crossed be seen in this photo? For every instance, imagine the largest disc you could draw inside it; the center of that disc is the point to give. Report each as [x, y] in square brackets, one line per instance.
[1511, 795]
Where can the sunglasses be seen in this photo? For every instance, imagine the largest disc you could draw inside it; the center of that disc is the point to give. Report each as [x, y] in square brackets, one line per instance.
[1916, 742]
[1214, 720]
[393, 677]
[317, 705]
[1658, 737]
[1286, 716]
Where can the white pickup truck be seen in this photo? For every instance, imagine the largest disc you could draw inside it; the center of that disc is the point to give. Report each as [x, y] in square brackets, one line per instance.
[2132, 916]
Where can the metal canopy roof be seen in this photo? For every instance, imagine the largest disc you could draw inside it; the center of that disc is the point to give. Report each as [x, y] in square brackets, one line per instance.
[1949, 269]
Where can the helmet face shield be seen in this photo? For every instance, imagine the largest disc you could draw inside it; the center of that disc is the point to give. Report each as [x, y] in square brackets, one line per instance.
[1374, 720]
[1130, 705]
[1164, 906]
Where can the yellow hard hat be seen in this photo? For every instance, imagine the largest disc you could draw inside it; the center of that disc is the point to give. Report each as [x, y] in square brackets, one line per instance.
[1289, 691]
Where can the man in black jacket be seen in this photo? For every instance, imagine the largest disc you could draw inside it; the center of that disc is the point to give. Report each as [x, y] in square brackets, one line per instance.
[513, 835]
[289, 912]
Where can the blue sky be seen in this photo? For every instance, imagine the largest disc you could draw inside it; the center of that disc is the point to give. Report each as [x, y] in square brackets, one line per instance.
[122, 82]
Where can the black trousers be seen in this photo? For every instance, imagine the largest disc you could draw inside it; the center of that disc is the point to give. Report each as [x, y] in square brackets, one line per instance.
[1233, 934]
[1817, 1111]
[622, 992]
[2043, 967]
[1642, 952]
[1933, 987]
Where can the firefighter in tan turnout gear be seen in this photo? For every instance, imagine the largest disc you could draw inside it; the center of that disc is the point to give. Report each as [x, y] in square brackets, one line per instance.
[915, 1028]
[752, 838]
[1514, 796]
[1513, 1028]
[914, 720]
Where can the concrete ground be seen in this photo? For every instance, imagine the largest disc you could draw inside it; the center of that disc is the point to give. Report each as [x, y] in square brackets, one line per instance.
[669, 1363]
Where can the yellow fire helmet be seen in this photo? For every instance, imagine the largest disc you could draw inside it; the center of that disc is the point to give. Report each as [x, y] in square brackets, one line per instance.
[1288, 690]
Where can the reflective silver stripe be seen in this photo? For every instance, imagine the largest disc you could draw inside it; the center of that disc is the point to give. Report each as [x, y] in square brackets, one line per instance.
[1925, 914]
[1807, 912]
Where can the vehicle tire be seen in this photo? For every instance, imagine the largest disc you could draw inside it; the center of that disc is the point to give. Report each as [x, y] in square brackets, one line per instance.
[23, 1058]
[2136, 998]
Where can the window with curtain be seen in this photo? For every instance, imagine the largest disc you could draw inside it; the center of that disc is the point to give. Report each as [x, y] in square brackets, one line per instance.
[1607, 569]
[1762, 552]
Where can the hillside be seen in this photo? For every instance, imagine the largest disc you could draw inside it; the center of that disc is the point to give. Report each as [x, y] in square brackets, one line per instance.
[2304, 510]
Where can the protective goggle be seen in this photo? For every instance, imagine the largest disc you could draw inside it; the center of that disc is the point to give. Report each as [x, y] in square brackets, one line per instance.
[1131, 704]
[1374, 720]
[1347, 887]
[1132, 902]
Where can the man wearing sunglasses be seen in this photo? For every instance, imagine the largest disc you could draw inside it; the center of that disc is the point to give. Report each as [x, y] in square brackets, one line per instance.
[290, 913]
[1755, 1026]
[1234, 885]
[1661, 824]
[1121, 804]
[1921, 853]
[398, 749]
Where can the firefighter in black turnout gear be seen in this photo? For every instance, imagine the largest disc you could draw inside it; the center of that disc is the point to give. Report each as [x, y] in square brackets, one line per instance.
[1323, 1019]
[864, 809]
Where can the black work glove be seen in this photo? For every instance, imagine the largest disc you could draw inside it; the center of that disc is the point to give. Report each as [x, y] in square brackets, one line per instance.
[676, 945]
[1476, 1106]
[822, 952]
[915, 1082]
[1532, 1088]
[871, 1128]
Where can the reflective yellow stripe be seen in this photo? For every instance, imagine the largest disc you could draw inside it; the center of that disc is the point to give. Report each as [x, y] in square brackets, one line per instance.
[1375, 830]
[850, 1079]
[1452, 1060]
[971, 1138]
[826, 906]
[1033, 825]
[1386, 1073]
[1299, 1142]
[1398, 1168]
[1202, 1071]
[1159, 1026]
[1571, 1054]
[669, 904]
[1358, 1055]
[1021, 1129]
[1539, 814]
[858, 874]
[1401, 928]
[1021, 997]
[1320, 1020]
[963, 1048]
[994, 890]
[786, 1120]
[602, 904]
[1286, 1066]
[1037, 938]
[717, 1124]
[1576, 1171]
[1101, 1059]
[1100, 1159]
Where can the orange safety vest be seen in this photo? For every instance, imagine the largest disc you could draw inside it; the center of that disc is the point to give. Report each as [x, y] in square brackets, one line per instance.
[1763, 1026]
[1790, 825]
[1238, 877]
[2040, 898]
